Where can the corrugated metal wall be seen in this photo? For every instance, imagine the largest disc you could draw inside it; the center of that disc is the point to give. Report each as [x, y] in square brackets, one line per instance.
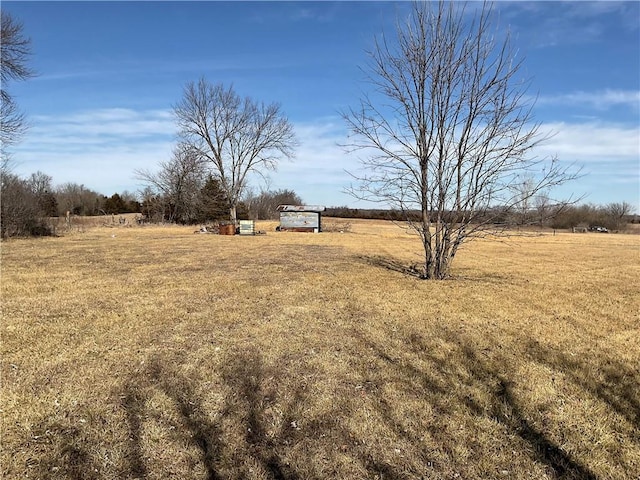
[300, 221]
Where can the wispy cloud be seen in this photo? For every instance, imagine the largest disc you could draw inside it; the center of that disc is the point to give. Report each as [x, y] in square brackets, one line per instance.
[593, 143]
[601, 100]
[572, 23]
[321, 12]
[102, 148]
[103, 124]
[318, 173]
[608, 153]
[98, 148]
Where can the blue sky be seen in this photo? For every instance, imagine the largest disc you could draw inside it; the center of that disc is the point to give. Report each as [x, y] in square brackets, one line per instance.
[109, 73]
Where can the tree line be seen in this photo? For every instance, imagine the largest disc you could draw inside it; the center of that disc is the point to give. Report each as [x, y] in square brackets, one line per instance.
[614, 216]
[28, 204]
[183, 196]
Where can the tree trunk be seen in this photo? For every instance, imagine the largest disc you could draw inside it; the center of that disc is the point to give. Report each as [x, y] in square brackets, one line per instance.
[233, 214]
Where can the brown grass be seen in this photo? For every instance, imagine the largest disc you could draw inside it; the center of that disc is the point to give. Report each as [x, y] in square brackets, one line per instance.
[156, 353]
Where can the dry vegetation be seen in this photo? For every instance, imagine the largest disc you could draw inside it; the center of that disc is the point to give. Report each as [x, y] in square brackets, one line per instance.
[151, 352]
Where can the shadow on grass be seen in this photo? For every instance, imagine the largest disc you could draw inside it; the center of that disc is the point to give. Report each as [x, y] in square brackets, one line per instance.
[437, 384]
[415, 270]
[196, 427]
[507, 411]
[62, 451]
[133, 404]
[248, 379]
[412, 270]
[259, 420]
[611, 381]
[224, 449]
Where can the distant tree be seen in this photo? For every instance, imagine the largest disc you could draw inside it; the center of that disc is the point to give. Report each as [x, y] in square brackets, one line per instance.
[176, 185]
[78, 200]
[263, 206]
[22, 207]
[242, 211]
[40, 182]
[114, 205]
[573, 216]
[48, 204]
[449, 130]
[523, 208]
[153, 205]
[543, 208]
[18, 206]
[236, 136]
[345, 212]
[41, 186]
[613, 216]
[131, 203]
[214, 204]
[616, 215]
[15, 50]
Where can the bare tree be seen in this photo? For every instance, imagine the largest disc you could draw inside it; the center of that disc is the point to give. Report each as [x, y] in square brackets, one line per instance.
[152, 204]
[521, 213]
[236, 136]
[263, 205]
[543, 208]
[25, 205]
[617, 214]
[15, 50]
[176, 185]
[40, 185]
[448, 130]
[77, 199]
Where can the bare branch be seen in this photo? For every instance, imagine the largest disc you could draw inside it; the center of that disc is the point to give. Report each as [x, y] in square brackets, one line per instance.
[15, 50]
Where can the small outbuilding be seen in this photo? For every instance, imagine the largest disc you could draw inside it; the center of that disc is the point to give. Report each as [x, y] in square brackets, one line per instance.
[301, 218]
[247, 227]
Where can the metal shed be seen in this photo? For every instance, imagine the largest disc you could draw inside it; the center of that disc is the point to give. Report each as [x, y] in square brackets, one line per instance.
[301, 218]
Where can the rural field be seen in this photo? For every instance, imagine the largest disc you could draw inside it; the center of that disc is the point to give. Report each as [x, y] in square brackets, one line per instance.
[152, 352]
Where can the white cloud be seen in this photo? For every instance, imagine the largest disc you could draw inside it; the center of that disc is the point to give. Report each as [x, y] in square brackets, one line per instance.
[319, 171]
[102, 148]
[592, 142]
[609, 155]
[322, 12]
[99, 148]
[103, 124]
[600, 100]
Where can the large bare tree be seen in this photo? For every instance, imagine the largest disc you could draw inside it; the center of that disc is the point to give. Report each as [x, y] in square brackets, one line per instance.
[15, 50]
[237, 136]
[448, 130]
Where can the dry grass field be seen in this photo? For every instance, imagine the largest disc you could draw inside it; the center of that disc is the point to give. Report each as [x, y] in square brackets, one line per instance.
[150, 353]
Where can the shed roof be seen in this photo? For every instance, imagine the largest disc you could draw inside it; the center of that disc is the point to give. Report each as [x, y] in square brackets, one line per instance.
[301, 208]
